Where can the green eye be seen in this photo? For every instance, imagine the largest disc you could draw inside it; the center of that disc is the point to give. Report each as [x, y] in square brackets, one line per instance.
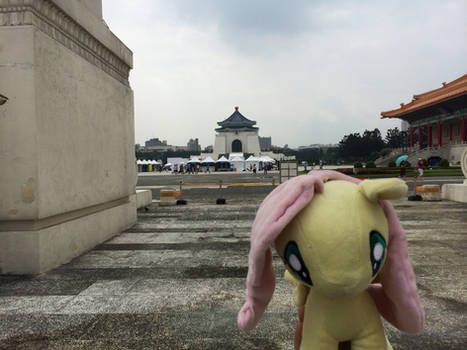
[377, 251]
[294, 260]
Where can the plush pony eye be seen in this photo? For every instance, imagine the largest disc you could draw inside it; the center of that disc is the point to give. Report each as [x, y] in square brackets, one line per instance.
[377, 251]
[294, 260]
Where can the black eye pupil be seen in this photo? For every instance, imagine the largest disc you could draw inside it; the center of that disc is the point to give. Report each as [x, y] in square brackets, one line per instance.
[293, 259]
[377, 251]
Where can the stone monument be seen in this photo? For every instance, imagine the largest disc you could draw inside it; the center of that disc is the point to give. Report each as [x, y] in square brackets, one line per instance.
[457, 192]
[67, 167]
[236, 134]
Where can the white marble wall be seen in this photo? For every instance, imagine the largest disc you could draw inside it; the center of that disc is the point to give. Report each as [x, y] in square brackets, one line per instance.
[249, 140]
[66, 133]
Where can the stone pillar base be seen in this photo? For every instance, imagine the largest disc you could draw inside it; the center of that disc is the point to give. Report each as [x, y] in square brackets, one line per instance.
[33, 251]
[455, 192]
[143, 198]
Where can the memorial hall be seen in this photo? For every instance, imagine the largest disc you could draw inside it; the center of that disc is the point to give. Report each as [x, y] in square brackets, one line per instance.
[437, 121]
[237, 134]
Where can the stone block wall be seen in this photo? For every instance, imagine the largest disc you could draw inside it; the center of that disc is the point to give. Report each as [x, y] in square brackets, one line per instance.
[66, 133]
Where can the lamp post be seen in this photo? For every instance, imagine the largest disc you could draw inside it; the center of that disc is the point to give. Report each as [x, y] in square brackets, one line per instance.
[3, 99]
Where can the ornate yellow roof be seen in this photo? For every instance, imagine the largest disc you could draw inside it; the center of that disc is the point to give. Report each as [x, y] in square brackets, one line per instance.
[447, 91]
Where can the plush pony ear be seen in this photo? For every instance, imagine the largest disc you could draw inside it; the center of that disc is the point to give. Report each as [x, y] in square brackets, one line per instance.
[397, 296]
[276, 211]
[380, 189]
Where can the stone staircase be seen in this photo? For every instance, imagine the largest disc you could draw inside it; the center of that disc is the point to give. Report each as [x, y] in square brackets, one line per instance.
[450, 152]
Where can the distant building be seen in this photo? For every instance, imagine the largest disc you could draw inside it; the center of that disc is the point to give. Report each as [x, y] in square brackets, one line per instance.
[265, 143]
[193, 145]
[436, 121]
[237, 134]
[155, 142]
[322, 146]
[209, 149]
[157, 145]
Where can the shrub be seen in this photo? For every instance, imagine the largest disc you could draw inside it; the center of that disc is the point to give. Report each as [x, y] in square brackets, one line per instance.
[385, 151]
[370, 165]
[444, 163]
[351, 171]
[392, 164]
[357, 165]
[407, 164]
[374, 156]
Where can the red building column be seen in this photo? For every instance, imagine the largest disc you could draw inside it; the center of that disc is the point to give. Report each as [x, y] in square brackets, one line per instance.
[450, 132]
[411, 137]
[428, 129]
[440, 134]
[463, 129]
[420, 146]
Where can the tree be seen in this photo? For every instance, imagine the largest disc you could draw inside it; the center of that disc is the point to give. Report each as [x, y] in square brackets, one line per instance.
[360, 147]
[396, 138]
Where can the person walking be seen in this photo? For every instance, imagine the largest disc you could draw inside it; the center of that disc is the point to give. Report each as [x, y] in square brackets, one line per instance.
[420, 166]
[402, 168]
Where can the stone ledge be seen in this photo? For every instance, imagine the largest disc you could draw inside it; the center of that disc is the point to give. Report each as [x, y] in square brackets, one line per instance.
[143, 198]
[33, 252]
[455, 192]
[53, 21]
[39, 224]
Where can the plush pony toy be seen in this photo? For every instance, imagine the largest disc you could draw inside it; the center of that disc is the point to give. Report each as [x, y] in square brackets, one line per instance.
[335, 238]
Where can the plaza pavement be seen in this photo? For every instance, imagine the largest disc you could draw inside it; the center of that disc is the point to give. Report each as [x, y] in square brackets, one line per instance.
[176, 281]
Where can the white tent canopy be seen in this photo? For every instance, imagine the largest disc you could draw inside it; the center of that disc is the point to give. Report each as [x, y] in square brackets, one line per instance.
[208, 160]
[238, 163]
[222, 160]
[253, 159]
[194, 160]
[268, 159]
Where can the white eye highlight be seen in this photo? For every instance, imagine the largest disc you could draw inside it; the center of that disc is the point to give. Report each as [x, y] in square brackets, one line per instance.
[294, 262]
[378, 251]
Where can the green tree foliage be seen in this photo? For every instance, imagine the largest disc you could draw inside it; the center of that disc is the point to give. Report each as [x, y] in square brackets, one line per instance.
[308, 154]
[444, 163]
[360, 147]
[396, 138]
[357, 165]
[331, 155]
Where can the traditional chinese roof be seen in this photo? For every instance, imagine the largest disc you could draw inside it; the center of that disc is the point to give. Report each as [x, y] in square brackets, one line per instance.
[236, 121]
[448, 91]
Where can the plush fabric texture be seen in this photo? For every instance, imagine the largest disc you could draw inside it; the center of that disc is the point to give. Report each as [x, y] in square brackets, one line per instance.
[395, 297]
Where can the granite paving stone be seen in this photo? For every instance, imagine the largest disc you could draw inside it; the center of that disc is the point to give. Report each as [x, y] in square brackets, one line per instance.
[176, 280]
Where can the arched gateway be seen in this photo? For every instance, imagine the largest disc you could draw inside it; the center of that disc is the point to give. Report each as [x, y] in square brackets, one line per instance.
[237, 146]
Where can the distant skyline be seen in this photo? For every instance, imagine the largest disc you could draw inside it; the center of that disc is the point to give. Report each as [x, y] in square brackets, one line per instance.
[306, 71]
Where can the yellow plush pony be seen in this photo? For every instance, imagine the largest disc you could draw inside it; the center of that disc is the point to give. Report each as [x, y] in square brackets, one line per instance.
[335, 238]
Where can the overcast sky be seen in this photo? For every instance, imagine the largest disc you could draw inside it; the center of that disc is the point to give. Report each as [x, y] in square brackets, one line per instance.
[306, 71]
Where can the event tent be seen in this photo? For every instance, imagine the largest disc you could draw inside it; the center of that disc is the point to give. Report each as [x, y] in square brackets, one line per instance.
[238, 163]
[254, 160]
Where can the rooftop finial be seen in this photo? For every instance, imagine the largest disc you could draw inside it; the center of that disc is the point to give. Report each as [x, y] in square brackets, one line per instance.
[236, 108]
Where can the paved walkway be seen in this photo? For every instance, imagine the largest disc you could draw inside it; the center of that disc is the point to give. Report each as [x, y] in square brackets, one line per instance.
[176, 281]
